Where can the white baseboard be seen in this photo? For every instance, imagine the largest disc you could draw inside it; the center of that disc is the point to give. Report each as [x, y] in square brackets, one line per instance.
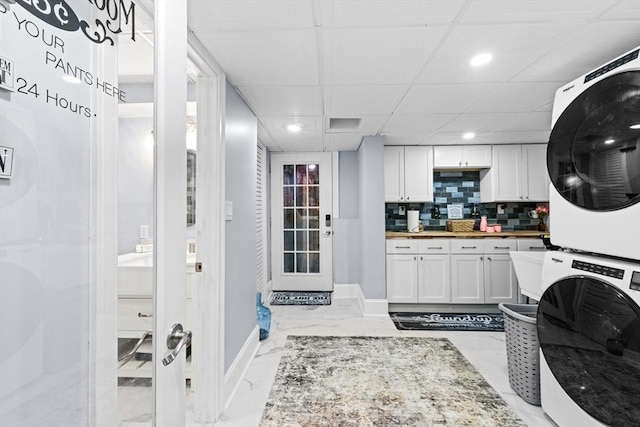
[233, 377]
[369, 307]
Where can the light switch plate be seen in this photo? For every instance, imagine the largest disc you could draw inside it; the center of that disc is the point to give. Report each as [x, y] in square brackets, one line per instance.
[401, 210]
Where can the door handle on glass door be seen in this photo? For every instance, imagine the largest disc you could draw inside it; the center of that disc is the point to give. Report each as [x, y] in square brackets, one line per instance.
[326, 234]
[176, 339]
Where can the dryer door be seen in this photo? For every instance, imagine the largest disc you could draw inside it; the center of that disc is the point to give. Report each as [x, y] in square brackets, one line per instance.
[589, 333]
[593, 156]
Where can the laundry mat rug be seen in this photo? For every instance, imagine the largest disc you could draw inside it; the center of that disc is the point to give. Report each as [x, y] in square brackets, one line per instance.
[380, 381]
[301, 298]
[448, 321]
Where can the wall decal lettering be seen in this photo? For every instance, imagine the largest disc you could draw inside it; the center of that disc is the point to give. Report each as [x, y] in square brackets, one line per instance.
[59, 14]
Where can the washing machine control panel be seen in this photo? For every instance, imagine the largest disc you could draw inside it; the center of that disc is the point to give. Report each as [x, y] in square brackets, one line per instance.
[598, 269]
[635, 281]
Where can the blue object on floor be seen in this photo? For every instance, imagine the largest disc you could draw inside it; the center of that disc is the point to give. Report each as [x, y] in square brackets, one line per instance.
[263, 315]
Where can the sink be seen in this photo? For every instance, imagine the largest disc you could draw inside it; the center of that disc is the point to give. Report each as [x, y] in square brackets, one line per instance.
[528, 267]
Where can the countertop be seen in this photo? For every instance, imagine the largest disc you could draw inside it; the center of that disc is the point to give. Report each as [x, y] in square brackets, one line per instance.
[462, 235]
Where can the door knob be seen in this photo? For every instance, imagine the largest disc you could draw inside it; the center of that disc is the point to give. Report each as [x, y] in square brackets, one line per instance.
[326, 234]
[176, 339]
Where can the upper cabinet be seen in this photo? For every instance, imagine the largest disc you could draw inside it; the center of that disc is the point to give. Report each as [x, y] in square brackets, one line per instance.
[518, 173]
[408, 174]
[462, 157]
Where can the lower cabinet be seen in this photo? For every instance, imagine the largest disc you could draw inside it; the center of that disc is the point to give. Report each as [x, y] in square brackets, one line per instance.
[460, 271]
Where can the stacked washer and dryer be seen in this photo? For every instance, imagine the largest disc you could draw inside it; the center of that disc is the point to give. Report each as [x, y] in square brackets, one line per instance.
[588, 317]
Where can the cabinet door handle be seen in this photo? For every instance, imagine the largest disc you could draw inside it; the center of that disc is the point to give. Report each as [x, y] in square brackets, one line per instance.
[434, 247]
[403, 247]
[407, 197]
[402, 198]
[144, 315]
[536, 248]
[466, 163]
[421, 259]
[469, 247]
[460, 163]
[489, 258]
[501, 247]
[415, 258]
[481, 258]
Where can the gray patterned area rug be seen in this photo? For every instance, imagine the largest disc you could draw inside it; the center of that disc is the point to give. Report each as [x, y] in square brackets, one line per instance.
[380, 381]
[300, 298]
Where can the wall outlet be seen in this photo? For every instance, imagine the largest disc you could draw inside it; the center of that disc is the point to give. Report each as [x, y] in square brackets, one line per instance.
[401, 210]
[500, 209]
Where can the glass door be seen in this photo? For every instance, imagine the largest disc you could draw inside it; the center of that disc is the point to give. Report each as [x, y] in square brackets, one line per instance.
[301, 211]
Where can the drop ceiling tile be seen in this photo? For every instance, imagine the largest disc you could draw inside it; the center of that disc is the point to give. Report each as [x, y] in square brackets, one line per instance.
[411, 123]
[274, 58]
[309, 124]
[349, 13]
[494, 11]
[281, 100]
[452, 138]
[369, 125]
[342, 142]
[531, 137]
[513, 48]
[479, 122]
[624, 10]
[206, 16]
[517, 97]
[404, 138]
[444, 98]
[352, 101]
[299, 141]
[377, 56]
[538, 121]
[594, 45]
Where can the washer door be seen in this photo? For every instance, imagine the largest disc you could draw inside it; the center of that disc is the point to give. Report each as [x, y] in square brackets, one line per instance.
[593, 155]
[589, 333]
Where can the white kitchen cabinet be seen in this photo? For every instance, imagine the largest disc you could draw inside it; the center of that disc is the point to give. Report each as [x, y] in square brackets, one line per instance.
[500, 283]
[531, 245]
[467, 279]
[418, 271]
[408, 174]
[518, 173]
[434, 271]
[402, 278]
[461, 156]
[481, 271]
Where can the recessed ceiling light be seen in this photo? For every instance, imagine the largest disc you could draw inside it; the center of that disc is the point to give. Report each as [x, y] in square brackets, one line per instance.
[481, 59]
[635, 126]
[294, 128]
[70, 79]
[609, 141]
[469, 135]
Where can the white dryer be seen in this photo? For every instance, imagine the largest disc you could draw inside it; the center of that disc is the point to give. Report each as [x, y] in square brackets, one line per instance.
[588, 325]
[593, 159]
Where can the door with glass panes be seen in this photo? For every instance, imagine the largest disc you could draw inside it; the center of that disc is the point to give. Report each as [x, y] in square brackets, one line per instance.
[302, 223]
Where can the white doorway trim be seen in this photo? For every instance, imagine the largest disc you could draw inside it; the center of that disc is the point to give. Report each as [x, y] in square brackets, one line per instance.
[210, 228]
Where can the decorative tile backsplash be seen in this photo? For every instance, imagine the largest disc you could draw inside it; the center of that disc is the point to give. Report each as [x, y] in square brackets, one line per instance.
[461, 187]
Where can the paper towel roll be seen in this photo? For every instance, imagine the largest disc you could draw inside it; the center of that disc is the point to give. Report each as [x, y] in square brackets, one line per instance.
[413, 221]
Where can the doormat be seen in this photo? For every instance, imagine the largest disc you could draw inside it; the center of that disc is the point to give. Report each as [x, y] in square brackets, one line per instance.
[448, 321]
[300, 298]
[381, 381]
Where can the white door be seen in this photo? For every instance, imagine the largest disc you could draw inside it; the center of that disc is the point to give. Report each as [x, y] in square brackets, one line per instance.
[302, 222]
[170, 48]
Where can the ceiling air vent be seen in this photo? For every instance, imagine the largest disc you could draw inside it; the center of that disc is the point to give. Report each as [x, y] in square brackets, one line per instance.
[343, 124]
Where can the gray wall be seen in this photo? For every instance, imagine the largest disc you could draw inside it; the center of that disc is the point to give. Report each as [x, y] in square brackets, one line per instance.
[346, 226]
[135, 181]
[240, 241]
[371, 202]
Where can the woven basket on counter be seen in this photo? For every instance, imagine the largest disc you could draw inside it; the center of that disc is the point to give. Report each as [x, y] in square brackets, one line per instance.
[460, 225]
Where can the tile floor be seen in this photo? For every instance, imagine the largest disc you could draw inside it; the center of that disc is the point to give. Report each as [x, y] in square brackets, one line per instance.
[485, 350]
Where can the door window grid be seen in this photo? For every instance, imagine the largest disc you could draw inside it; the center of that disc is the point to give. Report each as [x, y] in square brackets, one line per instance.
[301, 218]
